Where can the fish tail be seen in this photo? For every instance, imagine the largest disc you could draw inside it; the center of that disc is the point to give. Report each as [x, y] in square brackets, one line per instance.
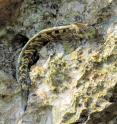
[24, 98]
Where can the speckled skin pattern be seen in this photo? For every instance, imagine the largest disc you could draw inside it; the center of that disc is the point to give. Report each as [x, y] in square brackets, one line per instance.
[75, 30]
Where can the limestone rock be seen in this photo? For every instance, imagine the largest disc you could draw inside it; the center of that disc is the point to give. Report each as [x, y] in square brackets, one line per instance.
[74, 82]
[10, 105]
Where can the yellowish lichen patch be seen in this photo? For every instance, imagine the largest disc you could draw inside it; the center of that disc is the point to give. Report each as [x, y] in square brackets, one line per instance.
[84, 81]
[57, 73]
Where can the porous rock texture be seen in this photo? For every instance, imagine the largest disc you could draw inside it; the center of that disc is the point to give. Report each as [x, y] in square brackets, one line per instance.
[74, 82]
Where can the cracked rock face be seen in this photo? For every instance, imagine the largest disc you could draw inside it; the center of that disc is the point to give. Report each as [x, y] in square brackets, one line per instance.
[74, 82]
